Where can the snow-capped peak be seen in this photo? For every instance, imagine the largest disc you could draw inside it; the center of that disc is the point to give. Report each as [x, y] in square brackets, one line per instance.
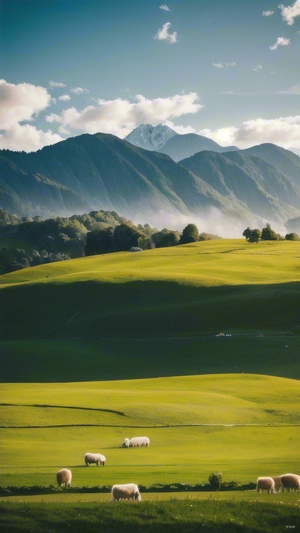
[150, 137]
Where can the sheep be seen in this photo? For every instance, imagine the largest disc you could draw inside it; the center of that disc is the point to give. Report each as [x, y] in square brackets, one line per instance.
[290, 481]
[278, 483]
[265, 483]
[64, 477]
[94, 458]
[127, 491]
[136, 442]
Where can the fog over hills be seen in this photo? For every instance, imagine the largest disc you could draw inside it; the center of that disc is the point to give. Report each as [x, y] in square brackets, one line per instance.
[222, 191]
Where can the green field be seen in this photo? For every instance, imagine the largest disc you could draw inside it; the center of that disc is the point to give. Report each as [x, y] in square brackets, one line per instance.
[155, 313]
[197, 425]
[106, 347]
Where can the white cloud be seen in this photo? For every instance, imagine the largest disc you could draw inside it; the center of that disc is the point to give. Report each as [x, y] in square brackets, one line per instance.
[56, 84]
[281, 41]
[164, 7]
[164, 35]
[289, 13]
[64, 97]
[257, 68]
[79, 90]
[120, 116]
[21, 102]
[180, 129]
[283, 131]
[267, 13]
[221, 65]
[26, 137]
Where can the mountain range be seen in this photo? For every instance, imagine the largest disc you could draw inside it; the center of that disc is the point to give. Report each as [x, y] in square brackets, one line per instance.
[101, 171]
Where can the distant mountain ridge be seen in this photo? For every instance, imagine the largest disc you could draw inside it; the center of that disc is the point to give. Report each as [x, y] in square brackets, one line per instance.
[101, 171]
[178, 146]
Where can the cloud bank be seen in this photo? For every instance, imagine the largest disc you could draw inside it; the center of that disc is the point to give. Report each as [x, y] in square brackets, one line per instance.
[283, 131]
[121, 116]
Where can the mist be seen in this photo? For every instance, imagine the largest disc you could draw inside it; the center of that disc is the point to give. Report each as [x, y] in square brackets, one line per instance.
[213, 221]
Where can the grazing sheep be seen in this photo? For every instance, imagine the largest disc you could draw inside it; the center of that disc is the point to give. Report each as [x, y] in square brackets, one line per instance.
[64, 477]
[127, 491]
[136, 442]
[265, 483]
[290, 481]
[94, 458]
[278, 483]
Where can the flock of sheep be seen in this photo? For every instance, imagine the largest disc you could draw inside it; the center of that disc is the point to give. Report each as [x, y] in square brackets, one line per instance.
[278, 483]
[126, 491]
[130, 491]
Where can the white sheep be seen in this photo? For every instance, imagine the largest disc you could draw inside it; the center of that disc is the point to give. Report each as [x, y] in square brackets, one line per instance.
[127, 491]
[94, 458]
[278, 483]
[265, 483]
[290, 481]
[136, 442]
[64, 477]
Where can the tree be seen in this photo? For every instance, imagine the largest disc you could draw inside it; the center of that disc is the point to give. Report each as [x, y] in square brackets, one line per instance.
[189, 234]
[99, 241]
[165, 238]
[255, 235]
[247, 233]
[292, 237]
[268, 234]
[215, 480]
[126, 237]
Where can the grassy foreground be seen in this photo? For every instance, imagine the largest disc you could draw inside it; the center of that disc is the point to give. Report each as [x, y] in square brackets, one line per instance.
[212, 514]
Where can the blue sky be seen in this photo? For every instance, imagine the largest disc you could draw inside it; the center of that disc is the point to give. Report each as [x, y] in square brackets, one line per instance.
[227, 69]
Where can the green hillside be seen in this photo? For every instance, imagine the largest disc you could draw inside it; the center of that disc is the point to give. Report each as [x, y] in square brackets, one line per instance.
[196, 425]
[155, 313]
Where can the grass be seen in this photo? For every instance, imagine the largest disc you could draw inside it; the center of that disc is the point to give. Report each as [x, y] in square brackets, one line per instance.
[154, 313]
[214, 514]
[226, 422]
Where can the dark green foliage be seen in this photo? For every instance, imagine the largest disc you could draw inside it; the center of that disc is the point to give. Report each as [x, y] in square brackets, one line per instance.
[252, 235]
[292, 237]
[165, 238]
[189, 234]
[126, 237]
[268, 234]
[99, 241]
[215, 480]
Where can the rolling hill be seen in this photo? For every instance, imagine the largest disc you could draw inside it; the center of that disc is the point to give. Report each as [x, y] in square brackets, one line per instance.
[154, 313]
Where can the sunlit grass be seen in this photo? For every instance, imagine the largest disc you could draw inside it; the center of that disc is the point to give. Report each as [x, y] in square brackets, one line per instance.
[196, 424]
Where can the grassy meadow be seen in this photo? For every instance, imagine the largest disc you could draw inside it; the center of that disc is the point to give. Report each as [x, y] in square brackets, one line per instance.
[154, 313]
[97, 349]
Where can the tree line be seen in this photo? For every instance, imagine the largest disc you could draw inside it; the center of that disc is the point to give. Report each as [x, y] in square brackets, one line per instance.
[33, 241]
[267, 234]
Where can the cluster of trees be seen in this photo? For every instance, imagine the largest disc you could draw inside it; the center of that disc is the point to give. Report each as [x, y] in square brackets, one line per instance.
[33, 241]
[267, 234]
[127, 236]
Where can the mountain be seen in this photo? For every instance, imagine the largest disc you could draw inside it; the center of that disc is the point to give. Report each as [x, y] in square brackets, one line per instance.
[103, 172]
[251, 180]
[284, 160]
[150, 137]
[182, 146]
